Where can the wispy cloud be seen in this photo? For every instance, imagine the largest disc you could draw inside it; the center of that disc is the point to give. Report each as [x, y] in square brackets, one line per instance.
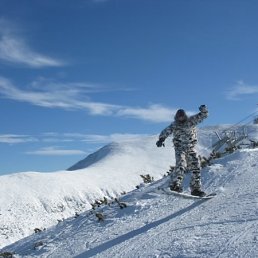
[75, 96]
[102, 139]
[78, 137]
[90, 138]
[241, 89]
[153, 113]
[55, 151]
[14, 49]
[54, 137]
[66, 96]
[14, 138]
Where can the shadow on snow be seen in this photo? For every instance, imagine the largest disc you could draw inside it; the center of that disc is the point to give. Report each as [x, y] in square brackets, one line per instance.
[107, 245]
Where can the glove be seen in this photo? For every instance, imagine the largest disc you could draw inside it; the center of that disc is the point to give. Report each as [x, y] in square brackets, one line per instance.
[203, 109]
[160, 143]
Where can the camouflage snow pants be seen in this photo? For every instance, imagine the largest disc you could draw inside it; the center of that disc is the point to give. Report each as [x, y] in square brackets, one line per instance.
[187, 159]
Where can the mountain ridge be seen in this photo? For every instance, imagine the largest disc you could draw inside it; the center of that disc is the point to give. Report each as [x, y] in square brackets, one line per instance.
[95, 157]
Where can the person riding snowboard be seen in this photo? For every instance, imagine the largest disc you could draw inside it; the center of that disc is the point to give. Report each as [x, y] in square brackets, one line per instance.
[185, 139]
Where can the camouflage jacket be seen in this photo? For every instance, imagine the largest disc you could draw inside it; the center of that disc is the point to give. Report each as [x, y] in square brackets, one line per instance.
[184, 134]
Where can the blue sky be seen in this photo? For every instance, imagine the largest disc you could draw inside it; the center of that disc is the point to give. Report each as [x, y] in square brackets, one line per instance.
[75, 75]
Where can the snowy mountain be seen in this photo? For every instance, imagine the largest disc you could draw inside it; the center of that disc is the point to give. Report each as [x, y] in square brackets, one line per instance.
[152, 224]
[95, 157]
[38, 200]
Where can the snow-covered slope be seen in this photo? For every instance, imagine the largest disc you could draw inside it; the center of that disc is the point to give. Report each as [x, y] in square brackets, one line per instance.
[37, 200]
[160, 225]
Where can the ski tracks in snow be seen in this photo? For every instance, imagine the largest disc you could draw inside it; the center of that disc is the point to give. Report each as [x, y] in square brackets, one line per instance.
[231, 247]
[132, 243]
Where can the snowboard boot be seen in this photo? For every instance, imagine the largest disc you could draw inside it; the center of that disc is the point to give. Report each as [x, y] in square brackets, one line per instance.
[198, 192]
[176, 187]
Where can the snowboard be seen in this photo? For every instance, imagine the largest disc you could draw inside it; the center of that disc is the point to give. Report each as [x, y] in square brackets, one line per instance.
[187, 195]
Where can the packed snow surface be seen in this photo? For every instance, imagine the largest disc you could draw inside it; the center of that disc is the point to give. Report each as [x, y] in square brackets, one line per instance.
[152, 225]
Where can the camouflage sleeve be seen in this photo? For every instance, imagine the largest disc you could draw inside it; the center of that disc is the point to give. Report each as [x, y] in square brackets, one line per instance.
[166, 132]
[198, 118]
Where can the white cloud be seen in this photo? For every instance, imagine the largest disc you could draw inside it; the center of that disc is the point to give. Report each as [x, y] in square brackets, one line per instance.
[241, 89]
[13, 49]
[153, 113]
[65, 96]
[94, 138]
[13, 138]
[89, 138]
[68, 137]
[74, 96]
[55, 151]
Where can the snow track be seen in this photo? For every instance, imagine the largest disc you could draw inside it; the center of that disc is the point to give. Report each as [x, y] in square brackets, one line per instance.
[152, 233]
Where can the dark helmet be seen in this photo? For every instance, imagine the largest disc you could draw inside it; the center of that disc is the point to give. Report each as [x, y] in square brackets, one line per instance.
[180, 116]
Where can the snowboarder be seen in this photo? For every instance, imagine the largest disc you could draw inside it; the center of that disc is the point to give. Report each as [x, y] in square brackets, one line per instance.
[184, 140]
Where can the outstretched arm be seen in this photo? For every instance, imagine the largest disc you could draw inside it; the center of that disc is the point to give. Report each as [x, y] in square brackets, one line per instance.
[198, 118]
[164, 134]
